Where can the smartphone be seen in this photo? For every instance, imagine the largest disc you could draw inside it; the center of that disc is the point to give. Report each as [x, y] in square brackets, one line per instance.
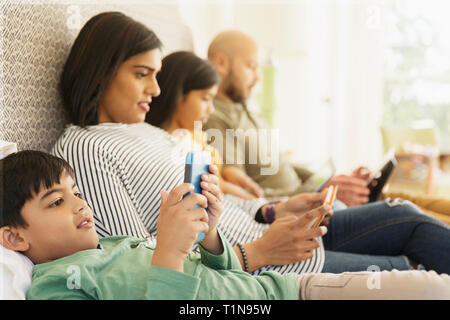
[327, 169]
[380, 178]
[197, 164]
[329, 201]
[323, 184]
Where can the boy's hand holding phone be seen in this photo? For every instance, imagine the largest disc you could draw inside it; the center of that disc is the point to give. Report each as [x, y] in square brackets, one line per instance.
[211, 190]
[178, 226]
[179, 223]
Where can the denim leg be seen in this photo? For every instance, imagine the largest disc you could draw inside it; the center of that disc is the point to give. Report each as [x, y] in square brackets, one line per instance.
[390, 228]
[338, 262]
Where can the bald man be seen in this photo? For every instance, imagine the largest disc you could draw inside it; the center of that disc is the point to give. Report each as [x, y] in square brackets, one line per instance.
[235, 55]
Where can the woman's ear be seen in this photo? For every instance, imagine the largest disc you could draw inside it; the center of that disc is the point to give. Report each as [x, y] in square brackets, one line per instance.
[11, 239]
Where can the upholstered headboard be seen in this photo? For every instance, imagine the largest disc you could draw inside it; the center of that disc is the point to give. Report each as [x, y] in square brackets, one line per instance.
[35, 39]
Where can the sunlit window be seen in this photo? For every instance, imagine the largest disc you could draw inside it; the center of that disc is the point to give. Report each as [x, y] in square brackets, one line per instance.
[417, 65]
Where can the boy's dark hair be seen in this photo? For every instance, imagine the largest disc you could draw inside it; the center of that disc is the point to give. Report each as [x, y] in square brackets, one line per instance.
[22, 175]
[181, 72]
[103, 44]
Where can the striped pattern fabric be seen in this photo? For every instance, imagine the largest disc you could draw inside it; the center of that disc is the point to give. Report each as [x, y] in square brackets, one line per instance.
[121, 169]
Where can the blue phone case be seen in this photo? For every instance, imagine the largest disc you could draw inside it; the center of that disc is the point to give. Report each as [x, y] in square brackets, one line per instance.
[197, 164]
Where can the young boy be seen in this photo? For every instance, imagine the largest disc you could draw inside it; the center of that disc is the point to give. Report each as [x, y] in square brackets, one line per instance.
[45, 217]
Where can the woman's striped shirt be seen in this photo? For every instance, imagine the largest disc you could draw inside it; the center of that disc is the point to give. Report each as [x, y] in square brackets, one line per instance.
[122, 168]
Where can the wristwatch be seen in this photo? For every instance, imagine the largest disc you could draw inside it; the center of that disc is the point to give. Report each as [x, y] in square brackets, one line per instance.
[269, 217]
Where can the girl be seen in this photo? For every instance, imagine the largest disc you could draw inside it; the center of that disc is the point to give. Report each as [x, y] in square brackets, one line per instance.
[188, 86]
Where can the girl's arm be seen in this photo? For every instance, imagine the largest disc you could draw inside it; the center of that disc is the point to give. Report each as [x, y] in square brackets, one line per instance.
[235, 190]
[240, 178]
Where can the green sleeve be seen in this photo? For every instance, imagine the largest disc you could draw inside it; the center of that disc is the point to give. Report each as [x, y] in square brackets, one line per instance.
[168, 284]
[225, 261]
[56, 290]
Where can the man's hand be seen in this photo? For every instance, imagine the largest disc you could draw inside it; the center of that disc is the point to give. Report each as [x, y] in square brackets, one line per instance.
[362, 173]
[353, 190]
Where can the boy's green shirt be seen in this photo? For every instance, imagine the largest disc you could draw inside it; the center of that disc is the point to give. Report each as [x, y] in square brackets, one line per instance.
[121, 269]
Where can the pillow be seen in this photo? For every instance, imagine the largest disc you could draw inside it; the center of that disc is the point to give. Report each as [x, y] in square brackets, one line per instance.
[15, 274]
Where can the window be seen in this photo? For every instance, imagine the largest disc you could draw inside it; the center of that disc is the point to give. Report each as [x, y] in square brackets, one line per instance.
[417, 65]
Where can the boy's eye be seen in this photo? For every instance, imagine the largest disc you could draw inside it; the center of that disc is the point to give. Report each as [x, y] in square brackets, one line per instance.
[56, 203]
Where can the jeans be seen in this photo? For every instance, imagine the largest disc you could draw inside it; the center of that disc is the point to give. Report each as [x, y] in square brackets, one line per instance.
[383, 236]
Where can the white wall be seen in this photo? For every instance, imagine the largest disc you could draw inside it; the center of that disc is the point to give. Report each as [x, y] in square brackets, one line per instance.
[328, 70]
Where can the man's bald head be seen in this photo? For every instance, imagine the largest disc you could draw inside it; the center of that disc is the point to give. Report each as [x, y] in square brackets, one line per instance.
[231, 42]
[235, 55]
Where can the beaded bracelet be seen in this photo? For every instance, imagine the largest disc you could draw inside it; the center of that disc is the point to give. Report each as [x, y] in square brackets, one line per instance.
[244, 256]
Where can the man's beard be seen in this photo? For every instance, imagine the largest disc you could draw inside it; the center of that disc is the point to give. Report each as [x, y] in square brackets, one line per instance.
[232, 91]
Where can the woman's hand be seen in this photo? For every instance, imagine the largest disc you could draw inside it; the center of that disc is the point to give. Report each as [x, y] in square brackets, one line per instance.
[240, 178]
[178, 226]
[288, 240]
[300, 204]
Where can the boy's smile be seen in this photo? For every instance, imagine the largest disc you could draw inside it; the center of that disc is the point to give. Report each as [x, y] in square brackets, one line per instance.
[60, 222]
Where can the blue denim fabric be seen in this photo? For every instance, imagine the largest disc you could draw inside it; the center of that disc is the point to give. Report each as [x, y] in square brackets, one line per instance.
[381, 235]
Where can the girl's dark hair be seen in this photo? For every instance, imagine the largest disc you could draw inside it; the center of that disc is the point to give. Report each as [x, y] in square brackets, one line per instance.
[103, 44]
[22, 175]
[181, 72]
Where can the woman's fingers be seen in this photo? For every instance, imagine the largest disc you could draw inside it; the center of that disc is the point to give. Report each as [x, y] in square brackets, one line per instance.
[308, 217]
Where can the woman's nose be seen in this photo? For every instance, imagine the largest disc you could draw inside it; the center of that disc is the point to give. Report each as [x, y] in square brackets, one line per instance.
[153, 89]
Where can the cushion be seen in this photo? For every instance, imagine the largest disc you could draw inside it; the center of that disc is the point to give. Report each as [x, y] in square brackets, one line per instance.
[435, 206]
[36, 37]
[15, 274]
